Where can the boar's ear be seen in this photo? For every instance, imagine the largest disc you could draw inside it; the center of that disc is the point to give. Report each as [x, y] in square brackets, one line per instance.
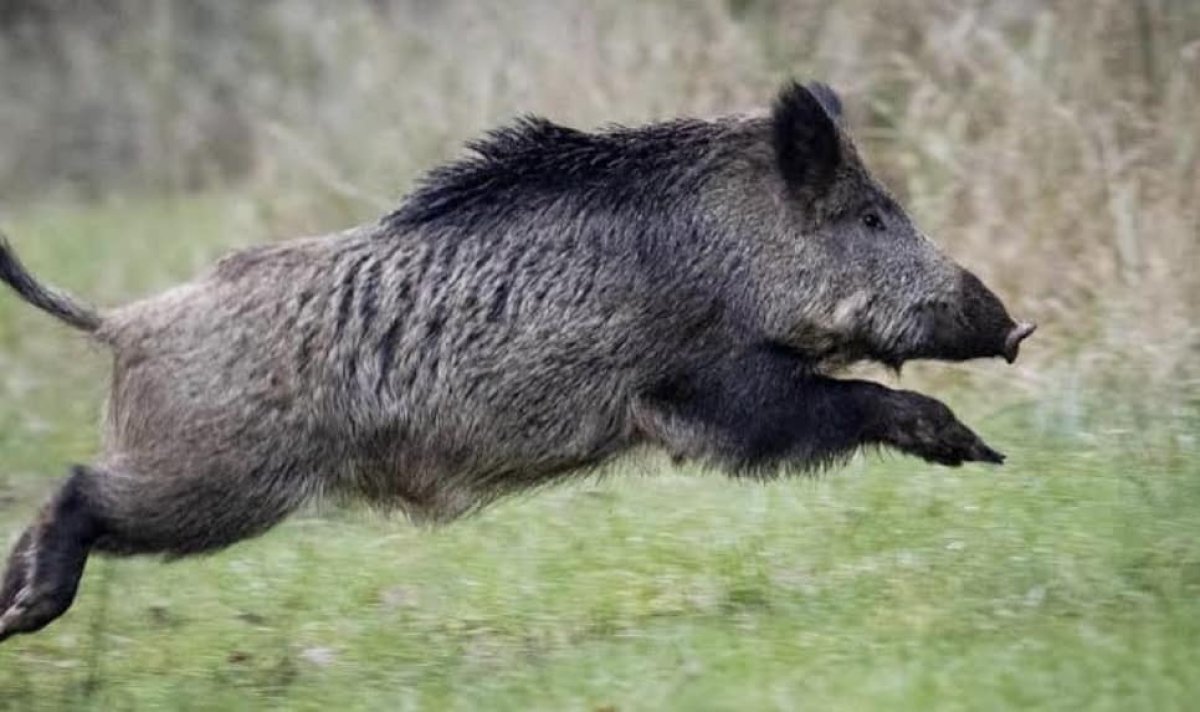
[805, 135]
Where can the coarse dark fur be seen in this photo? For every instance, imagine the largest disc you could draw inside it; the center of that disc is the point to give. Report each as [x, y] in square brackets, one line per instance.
[536, 309]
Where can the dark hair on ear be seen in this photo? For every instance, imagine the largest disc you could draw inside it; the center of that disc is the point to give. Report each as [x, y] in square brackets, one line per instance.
[807, 146]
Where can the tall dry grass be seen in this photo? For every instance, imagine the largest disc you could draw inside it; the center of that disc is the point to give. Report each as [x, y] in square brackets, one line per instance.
[1054, 147]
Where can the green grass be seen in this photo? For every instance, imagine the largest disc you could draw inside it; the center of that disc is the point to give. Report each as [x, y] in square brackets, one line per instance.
[1068, 579]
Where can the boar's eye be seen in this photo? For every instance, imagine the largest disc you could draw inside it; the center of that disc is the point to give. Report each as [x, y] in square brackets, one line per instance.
[872, 220]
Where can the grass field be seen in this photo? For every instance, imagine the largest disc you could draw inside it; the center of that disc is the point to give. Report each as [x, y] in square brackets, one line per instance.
[1068, 579]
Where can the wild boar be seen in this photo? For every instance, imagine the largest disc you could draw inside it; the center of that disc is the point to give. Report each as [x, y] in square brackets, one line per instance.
[529, 312]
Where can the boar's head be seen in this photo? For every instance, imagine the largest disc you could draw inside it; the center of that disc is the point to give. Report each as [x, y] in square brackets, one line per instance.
[842, 272]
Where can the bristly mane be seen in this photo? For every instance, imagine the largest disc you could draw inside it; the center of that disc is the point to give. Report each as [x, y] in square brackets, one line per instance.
[535, 160]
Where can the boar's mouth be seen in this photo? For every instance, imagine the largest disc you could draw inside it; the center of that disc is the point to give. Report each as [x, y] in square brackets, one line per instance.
[973, 324]
[1006, 346]
[962, 323]
[963, 344]
[964, 347]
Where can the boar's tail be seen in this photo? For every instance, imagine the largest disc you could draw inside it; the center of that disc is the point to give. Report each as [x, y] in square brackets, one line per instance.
[48, 299]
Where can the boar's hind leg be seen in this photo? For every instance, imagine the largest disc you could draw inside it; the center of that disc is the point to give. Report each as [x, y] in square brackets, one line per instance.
[764, 409]
[193, 513]
[118, 513]
[46, 564]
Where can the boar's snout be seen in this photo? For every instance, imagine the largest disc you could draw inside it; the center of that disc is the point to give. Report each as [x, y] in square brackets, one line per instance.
[973, 323]
[989, 330]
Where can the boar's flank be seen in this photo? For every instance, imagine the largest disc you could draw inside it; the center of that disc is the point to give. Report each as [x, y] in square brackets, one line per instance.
[531, 311]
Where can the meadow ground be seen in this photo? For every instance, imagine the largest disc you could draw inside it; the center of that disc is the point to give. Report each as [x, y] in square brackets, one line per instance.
[1068, 579]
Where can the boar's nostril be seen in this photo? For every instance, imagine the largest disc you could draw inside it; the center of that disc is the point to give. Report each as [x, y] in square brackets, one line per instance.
[1012, 342]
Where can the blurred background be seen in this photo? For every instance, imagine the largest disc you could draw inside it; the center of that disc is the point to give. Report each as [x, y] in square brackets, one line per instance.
[1053, 147]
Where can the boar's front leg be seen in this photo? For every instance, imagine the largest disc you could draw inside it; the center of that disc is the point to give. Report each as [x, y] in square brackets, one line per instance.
[765, 409]
[926, 427]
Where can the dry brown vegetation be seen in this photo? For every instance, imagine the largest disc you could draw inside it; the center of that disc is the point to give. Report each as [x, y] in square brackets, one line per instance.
[1053, 146]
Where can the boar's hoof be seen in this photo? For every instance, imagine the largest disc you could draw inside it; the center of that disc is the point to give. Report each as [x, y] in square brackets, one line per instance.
[1012, 343]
